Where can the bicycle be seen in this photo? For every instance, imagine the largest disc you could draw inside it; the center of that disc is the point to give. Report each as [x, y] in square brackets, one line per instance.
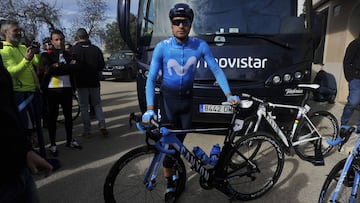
[304, 136]
[244, 170]
[75, 110]
[342, 183]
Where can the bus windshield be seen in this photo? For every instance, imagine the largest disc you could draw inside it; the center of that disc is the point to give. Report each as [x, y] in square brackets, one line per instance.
[260, 17]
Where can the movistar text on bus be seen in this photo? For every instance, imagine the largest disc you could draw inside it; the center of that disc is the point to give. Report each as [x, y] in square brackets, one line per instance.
[238, 62]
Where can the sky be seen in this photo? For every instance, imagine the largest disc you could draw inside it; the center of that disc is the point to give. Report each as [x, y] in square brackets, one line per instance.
[69, 11]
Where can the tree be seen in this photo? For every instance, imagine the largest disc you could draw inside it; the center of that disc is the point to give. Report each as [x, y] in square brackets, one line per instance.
[31, 14]
[112, 38]
[91, 17]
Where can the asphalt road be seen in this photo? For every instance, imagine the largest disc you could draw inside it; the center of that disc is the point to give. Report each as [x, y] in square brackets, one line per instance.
[82, 175]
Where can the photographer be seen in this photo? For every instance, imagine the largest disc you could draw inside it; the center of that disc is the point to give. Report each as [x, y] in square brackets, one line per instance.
[22, 63]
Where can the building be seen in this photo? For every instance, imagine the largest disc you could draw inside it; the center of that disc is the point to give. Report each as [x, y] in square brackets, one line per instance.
[341, 25]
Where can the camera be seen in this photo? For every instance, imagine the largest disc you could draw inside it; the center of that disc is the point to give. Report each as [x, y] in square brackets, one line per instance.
[36, 46]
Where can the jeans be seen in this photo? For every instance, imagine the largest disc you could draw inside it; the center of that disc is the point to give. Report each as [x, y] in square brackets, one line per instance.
[353, 100]
[94, 94]
[21, 189]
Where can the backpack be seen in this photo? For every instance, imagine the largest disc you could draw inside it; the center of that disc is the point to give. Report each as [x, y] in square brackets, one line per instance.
[328, 88]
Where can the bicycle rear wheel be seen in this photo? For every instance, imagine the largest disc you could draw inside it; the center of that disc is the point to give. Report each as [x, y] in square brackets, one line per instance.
[331, 181]
[125, 180]
[75, 110]
[253, 166]
[327, 125]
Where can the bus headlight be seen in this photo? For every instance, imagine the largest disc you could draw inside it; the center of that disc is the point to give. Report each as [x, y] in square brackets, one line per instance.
[298, 75]
[276, 80]
[287, 77]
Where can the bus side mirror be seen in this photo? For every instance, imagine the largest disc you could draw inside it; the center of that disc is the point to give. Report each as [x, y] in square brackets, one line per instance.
[318, 29]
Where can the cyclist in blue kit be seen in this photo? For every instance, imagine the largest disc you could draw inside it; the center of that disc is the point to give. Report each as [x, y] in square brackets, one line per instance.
[176, 58]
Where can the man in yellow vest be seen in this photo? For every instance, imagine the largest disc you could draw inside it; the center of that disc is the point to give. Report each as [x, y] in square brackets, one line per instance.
[22, 62]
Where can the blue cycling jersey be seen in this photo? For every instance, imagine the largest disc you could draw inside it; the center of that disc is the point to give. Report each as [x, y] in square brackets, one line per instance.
[177, 63]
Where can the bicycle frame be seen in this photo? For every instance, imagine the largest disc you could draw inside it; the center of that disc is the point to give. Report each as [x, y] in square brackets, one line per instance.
[262, 112]
[169, 138]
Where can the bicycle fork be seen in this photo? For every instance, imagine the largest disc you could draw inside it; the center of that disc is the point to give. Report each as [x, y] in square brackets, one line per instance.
[151, 173]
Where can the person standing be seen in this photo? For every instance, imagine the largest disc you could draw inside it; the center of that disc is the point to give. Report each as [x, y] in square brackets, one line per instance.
[176, 57]
[47, 49]
[91, 60]
[351, 65]
[58, 86]
[16, 153]
[22, 63]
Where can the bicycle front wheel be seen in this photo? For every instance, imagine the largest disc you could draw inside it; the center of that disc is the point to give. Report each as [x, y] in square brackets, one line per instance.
[126, 182]
[331, 181]
[253, 166]
[327, 126]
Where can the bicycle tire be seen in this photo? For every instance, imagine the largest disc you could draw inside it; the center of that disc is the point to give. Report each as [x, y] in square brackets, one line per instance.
[75, 110]
[125, 180]
[327, 125]
[248, 128]
[244, 183]
[331, 181]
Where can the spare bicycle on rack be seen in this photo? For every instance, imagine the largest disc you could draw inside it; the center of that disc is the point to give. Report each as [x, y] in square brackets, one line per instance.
[307, 133]
[244, 169]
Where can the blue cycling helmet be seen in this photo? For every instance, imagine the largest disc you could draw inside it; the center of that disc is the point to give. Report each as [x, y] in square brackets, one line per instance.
[181, 10]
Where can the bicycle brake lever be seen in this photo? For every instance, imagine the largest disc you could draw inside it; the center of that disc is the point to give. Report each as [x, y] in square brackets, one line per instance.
[131, 117]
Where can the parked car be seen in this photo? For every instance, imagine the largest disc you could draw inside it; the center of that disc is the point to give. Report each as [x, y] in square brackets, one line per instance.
[120, 65]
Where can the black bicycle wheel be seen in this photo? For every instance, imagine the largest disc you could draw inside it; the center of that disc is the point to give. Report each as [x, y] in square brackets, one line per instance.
[331, 181]
[327, 125]
[125, 180]
[250, 174]
[75, 110]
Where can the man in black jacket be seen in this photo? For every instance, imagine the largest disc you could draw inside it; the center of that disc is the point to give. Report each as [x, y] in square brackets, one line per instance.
[58, 86]
[16, 154]
[90, 59]
[352, 74]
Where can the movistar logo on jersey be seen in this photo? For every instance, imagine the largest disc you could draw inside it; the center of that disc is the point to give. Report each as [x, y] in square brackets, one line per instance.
[243, 62]
[180, 70]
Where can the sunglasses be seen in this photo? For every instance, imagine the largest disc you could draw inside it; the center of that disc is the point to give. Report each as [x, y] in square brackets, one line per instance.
[183, 22]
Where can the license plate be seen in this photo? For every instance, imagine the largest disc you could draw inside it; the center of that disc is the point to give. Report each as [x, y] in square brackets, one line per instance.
[209, 108]
[107, 73]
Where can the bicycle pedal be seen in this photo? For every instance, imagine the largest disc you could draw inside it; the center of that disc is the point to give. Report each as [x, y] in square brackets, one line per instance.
[318, 162]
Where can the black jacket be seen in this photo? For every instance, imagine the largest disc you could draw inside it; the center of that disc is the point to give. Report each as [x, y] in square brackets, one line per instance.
[91, 61]
[352, 60]
[13, 141]
[46, 62]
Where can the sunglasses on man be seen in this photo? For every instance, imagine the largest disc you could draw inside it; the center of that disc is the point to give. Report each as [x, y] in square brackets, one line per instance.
[185, 22]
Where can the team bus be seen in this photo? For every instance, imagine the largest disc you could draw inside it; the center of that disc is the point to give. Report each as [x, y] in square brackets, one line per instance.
[265, 47]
